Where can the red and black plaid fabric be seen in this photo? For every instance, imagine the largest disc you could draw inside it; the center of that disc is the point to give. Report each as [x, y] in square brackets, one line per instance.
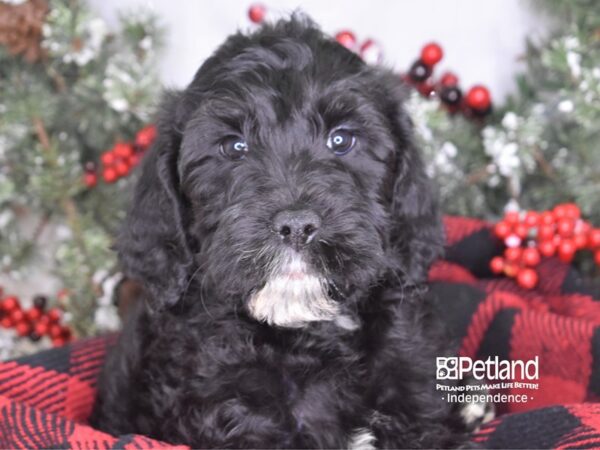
[45, 399]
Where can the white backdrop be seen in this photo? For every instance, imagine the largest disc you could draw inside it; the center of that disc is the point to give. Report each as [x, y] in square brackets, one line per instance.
[482, 39]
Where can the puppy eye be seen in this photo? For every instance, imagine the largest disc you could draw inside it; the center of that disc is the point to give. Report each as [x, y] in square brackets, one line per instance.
[341, 141]
[233, 148]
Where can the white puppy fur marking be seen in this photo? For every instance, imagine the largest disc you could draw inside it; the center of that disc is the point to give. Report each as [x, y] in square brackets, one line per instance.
[362, 439]
[293, 295]
[346, 322]
[472, 412]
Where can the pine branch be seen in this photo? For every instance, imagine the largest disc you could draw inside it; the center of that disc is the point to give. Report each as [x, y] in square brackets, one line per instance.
[58, 79]
[544, 164]
[42, 135]
[74, 221]
[39, 229]
[476, 176]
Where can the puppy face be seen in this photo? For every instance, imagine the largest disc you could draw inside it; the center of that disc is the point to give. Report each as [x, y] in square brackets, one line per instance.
[285, 163]
[293, 179]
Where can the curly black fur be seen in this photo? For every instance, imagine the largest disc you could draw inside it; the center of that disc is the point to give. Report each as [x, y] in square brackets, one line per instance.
[193, 366]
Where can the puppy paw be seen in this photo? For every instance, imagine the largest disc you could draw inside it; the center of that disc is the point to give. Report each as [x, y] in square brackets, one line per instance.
[475, 414]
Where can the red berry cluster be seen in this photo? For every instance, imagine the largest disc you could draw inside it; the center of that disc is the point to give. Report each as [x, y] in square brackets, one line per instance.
[119, 160]
[34, 322]
[369, 50]
[477, 101]
[531, 235]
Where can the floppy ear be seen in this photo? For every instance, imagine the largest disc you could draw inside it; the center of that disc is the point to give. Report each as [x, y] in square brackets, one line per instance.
[417, 230]
[153, 246]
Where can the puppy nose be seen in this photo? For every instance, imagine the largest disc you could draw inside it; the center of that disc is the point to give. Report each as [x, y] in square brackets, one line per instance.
[296, 228]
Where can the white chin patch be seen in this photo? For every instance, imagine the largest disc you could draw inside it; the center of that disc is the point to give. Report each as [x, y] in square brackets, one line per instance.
[362, 439]
[293, 295]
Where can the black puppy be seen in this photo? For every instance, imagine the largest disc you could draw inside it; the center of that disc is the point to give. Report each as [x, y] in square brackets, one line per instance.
[282, 229]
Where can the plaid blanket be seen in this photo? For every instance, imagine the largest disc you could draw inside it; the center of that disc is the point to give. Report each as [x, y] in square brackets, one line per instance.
[46, 398]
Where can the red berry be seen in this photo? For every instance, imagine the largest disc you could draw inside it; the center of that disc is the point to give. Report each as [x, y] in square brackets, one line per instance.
[134, 159]
[59, 341]
[6, 322]
[581, 226]
[17, 315]
[66, 333]
[110, 175]
[531, 256]
[145, 136]
[123, 149]
[41, 328]
[593, 238]
[511, 270]
[502, 229]
[527, 278]
[572, 211]
[545, 232]
[521, 230]
[53, 315]
[565, 227]
[23, 328]
[10, 304]
[597, 257]
[432, 54]
[566, 250]
[580, 241]
[44, 319]
[547, 248]
[257, 13]
[425, 88]
[478, 98]
[33, 314]
[55, 330]
[512, 217]
[497, 264]
[513, 254]
[346, 38]
[449, 80]
[547, 218]
[90, 179]
[559, 212]
[532, 219]
[108, 158]
[121, 168]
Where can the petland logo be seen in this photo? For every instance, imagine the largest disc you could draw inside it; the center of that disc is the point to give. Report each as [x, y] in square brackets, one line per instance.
[459, 367]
